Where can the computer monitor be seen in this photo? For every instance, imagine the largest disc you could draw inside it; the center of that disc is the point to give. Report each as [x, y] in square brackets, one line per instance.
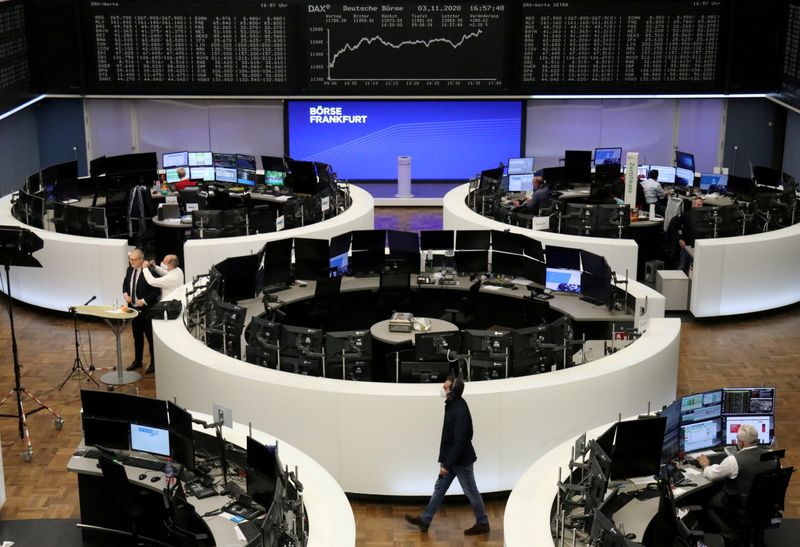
[520, 183]
[311, 259]
[201, 159]
[607, 156]
[637, 448]
[205, 174]
[180, 420]
[684, 160]
[435, 346]
[263, 333]
[172, 175]
[743, 187]
[107, 433]
[490, 179]
[671, 445]
[529, 357]
[487, 342]
[578, 166]
[472, 261]
[534, 270]
[351, 344]
[712, 182]
[303, 177]
[563, 257]
[684, 177]
[207, 218]
[305, 366]
[560, 280]
[273, 163]
[121, 406]
[426, 372]
[437, 240]
[472, 240]
[764, 425]
[246, 177]
[300, 340]
[643, 171]
[701, 406]
[533, 248]
[154, 440]
[594, 263]
[666, 173]
[174, 159]
[339, 265]
[277, 263]
[766, 176]
[508, 264]
[369, 240]
[703, 435]
[520, 166]
[508, 242]
[404, 249]
[246, 162]
[225, 174]
[367, 263]
[264, 472]
[275, 178]
[597, 289]
[703, 221]
[748, 400]
[227, 161]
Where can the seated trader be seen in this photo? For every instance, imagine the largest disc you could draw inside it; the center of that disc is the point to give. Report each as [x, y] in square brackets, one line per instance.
[725, 508]
[654, 193]
[184, 181]
[168, 276]
[686, 241]
[541, 198]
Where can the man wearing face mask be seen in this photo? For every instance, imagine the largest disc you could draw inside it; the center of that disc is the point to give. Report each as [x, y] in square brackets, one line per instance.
[168, 276]
[456, 459]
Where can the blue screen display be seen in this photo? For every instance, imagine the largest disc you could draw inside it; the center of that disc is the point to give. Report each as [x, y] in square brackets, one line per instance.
[447, 140]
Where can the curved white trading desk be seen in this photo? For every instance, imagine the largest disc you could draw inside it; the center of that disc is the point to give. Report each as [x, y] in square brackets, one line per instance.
[200, 254]
[382, 439]
[621, 254]
[75, 268]
[745, 274]
[330, 516]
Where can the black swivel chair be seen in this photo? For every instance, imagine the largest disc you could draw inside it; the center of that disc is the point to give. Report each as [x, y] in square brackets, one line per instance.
[126, 498]
[463, 316]
[764, 503]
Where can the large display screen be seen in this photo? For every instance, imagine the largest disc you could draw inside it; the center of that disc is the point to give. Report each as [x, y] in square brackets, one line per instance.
[361, 140]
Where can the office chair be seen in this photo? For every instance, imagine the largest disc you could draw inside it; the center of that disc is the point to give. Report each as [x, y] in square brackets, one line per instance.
[764, 503]
[674, 208]
[464, 315]
[127, 498]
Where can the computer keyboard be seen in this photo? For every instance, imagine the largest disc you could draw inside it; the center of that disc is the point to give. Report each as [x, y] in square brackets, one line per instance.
[143, 463]
[495, 283]
[251, 529]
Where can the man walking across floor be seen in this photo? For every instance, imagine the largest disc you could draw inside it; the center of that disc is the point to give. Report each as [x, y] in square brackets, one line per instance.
[456, 459]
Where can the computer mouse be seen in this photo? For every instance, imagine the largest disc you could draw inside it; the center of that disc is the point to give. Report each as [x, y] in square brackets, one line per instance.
[143, 476]
[155, 479]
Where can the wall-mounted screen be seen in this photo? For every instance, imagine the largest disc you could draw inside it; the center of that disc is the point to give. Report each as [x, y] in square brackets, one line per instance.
[450, 140]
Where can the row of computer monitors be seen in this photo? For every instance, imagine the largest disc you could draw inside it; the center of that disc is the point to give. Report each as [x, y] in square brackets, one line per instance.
[711, 419]
[164, 429]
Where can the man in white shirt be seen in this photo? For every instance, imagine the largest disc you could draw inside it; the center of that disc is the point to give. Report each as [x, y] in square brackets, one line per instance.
[653, 191]
[738, 472]
[168, 275]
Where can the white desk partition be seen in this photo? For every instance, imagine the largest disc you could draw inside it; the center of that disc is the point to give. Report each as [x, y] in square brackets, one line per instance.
[330, 516]
[621, 254]
[74, 268]
[383, 439]
[200, 254]
[744, 274]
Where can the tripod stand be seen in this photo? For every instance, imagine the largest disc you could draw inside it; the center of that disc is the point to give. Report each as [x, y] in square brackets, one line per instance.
[20, 414]
[77, 365]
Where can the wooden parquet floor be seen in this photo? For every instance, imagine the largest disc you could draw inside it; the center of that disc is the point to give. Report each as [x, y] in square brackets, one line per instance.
[762, 348]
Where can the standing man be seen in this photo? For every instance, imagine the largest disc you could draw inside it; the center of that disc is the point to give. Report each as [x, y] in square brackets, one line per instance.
[139, 295]
[168, 276]
[456, 459]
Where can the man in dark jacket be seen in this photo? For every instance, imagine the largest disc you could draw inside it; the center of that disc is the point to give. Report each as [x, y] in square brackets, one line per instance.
[456, 458]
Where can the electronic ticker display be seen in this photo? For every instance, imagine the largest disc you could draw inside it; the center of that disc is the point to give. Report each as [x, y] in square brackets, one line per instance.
[791, 57]
[14, 71]
[625, 46]
[187, 47]
[439, 47]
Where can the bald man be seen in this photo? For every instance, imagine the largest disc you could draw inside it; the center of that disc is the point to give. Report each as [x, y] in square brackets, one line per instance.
[167, 276]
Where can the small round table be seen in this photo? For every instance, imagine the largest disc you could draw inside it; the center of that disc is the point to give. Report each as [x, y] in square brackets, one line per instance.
[380, 331]
[116, 319]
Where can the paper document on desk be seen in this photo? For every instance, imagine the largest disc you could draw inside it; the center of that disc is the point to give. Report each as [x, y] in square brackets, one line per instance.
[638, 481]
[491, 287]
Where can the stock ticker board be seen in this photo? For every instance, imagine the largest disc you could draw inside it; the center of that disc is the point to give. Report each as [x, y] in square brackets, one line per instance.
[418, 47]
